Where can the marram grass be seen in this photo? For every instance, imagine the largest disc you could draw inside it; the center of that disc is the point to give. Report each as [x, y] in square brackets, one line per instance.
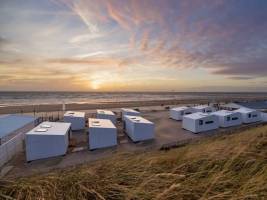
[221, 167]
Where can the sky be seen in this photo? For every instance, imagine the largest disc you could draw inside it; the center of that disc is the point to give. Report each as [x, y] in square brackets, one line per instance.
[133, 45]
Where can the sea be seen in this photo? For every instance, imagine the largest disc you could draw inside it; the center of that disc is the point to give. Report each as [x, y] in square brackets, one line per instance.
[39, 98]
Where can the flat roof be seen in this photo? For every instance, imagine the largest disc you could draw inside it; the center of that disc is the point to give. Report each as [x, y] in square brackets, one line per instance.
[105, 112]
[201, 106]
[245, 110]
[129, 110]
[232, 105]
[11, 123]
[100, 123]
[50, 128]
[198, 115]
[181, 108]
[223, 112]
[74, 114]
[138, 119]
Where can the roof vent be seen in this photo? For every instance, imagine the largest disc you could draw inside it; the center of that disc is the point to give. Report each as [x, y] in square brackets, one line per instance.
[41, 130]
[45, 126]
[96, 123]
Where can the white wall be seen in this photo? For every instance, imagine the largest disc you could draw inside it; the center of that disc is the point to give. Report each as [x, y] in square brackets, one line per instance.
[224, 123]
[247, 120]
[193, 124]
[264, 117]
[11, 147]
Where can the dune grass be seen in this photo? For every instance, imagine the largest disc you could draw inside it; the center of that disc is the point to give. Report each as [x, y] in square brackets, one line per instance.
[221, 167]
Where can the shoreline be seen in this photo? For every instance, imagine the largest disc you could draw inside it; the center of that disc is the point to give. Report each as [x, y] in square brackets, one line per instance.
[109, 105]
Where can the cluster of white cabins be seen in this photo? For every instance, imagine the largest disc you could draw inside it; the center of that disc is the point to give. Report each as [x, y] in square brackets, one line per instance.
[205, 118]
[50, 139]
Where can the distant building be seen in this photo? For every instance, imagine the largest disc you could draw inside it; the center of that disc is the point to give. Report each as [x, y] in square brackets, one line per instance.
[228, 118]
[106, 114]
[200, 122]
[178, 112]
[130, 112]
[77, 120]
[249, 115]
[204, 108]
[139, 128]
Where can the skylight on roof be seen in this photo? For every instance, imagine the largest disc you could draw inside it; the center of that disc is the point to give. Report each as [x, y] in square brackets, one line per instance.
[46, 126]
[41, 130]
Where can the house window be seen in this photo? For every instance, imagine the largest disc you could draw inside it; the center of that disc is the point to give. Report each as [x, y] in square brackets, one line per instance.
[254, 115]
[187, 113]
[208, 122]
[228, 118]
[200, 122]
[249, 115]
[235, 118]
[208, 111]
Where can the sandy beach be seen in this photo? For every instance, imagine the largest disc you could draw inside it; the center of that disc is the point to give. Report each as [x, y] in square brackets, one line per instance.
[105, 105]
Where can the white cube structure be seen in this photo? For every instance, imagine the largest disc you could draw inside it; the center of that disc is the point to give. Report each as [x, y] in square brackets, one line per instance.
[139, 128]
[204, 108]
[249, 115]
[49, 139]
[102, 133]
[77, 120]
[200, 122]
[130, 112]
[178, 112]
[228, 118]
[106, 114]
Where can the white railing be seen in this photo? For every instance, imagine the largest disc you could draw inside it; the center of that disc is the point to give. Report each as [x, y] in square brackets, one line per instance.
[11, 147]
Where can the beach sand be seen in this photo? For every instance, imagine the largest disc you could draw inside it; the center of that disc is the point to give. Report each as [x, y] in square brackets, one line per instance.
[109, 105]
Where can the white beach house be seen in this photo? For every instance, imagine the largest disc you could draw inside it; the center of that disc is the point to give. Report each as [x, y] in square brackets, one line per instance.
[77, 120]
[200, 122]
[249, 115]
[102, 133]
[228, 118]
[106, 114]
[49, 139]
[178, 112]
[127, 111]
[139, 128]
[204, 108]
